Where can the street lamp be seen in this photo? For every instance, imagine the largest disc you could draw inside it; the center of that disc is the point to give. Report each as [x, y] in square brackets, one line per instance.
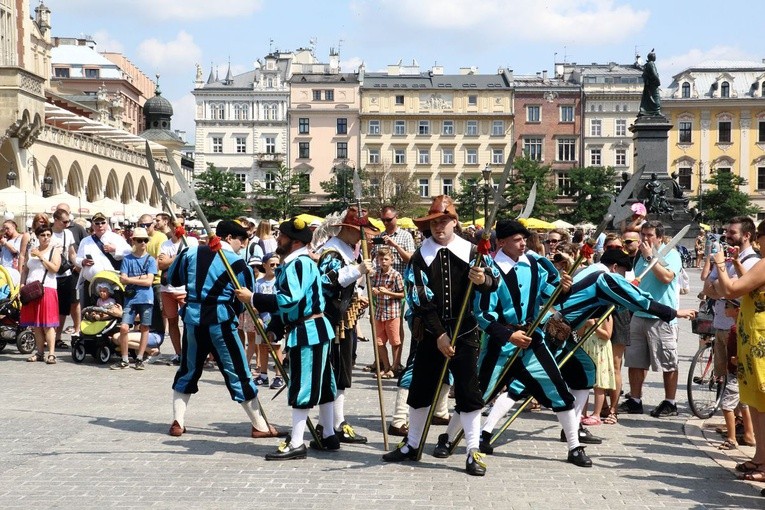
[46, 186]
[11, 177]
[473, 192]
[486, 173]
[701, 180]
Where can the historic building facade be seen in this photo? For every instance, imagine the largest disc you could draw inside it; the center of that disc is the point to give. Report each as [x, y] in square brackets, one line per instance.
[717, 110]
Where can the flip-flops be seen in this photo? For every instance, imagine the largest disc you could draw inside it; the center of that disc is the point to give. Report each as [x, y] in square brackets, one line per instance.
[728, 445]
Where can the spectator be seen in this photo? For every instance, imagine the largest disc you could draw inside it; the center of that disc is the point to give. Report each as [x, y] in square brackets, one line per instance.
[631, 243]
[137, 274]
[10, 246]
[388, 288]
[534, 243]
[636, 221]
[65, 283]
[162, 223]
[599, 348]
[264, 285]
[42, 314]
[553, 238]
[619, 338]
[78, 230]
[267, 240]
[156, 239]
[102, 250]
[699, 246]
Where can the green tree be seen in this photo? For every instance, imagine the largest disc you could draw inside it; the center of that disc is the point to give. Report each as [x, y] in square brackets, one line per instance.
[724, 201]
[281, 195]
[593, 190]
[524, 174]
[339, 189]
[384, 185]
[468, 199]
[219, 194]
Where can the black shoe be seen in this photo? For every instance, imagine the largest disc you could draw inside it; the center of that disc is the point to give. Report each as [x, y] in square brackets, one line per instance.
[585, 437]
[664, 409]
[485, 444]
[328, 444]
[287, 452]
[398, 455]
[474, 465]
[443, 449]
[578, 458]
[346, 434]
[631, 406]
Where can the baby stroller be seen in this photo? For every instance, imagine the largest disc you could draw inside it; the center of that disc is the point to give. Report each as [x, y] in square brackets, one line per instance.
[686, 256]
[10, 312]
[98, 326]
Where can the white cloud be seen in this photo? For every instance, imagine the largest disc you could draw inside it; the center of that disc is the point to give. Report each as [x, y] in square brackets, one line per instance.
[179, 54]
[183, 116]
[105, 42]
[164, 10]
[351, 65]
[672, 64]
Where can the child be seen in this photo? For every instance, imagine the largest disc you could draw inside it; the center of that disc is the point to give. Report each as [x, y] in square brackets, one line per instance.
[598, 347]
[730, 398]
[388, 289]
[137, 274]
[106, 306]
[265, 285]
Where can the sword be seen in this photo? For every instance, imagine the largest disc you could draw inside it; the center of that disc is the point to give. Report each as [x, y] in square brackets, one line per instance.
[483, 249]
[357, 190]
[187, 198]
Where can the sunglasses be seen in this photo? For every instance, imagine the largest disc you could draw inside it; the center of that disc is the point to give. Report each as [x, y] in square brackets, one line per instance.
[387, 220]
[146, 225]
[65, 222]
[614, 247]
[99, 223]
[142, 240]
[552, 241]
[630, 241]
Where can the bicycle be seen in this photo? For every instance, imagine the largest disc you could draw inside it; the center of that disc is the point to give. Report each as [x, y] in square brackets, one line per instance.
[705, 389]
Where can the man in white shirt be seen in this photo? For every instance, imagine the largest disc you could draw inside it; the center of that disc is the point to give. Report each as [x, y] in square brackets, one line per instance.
[102, 250]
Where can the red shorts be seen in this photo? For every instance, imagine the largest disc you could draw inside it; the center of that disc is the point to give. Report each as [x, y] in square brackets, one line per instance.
[388, 331]
[171, 303]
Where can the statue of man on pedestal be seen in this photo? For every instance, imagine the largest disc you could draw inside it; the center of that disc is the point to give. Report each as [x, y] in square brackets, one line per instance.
[650, 102]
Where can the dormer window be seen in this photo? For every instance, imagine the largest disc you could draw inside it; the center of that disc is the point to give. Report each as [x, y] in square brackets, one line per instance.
[686, 94]
[725, 89]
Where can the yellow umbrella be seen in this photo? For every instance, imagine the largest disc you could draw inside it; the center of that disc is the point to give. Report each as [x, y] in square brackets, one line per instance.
[406, 223]
[536, 224]
[705, 227]
[377, 223]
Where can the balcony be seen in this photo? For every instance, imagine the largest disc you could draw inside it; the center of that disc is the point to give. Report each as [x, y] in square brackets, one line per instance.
[269, 158]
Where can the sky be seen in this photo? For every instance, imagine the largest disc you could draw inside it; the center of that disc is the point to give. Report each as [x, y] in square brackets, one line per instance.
[168, 37]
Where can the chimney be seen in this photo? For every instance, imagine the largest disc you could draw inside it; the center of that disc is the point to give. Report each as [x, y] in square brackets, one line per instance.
[468, 70]
[437, 70]
[544, 74]
[334, 61]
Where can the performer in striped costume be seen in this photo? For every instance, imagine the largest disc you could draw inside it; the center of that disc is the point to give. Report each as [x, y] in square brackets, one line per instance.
[210, 325]
[297, 310]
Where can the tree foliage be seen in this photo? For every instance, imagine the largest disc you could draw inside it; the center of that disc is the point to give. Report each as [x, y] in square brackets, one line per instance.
[592, 188]
[724, 201]
[219, 194]
[524, 174]
[282, 196]
[339, 190]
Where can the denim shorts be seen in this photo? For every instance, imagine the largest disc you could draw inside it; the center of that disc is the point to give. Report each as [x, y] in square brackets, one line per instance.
[133, 309]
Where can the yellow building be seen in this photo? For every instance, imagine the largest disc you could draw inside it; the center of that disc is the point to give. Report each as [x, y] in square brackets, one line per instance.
[717, 110]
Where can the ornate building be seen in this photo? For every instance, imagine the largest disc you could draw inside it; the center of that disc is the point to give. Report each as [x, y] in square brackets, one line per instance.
[717, 109]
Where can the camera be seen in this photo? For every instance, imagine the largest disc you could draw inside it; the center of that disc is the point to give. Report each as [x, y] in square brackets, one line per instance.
[730, 251]
[378, 240]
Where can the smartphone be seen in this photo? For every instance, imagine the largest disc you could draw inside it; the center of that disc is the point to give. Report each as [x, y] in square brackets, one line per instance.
[89, 256]
[378, 240]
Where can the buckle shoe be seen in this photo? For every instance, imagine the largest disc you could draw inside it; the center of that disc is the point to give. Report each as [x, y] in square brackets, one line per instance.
[443, 449]
[346, 434]
[474, 465]
[577, 457]
[399, 455]
[484, 444]
[287, 452]
[328, 444]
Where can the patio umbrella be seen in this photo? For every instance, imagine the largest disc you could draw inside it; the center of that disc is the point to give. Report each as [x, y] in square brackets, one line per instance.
[562, 224]
[587, 226]
[21, 203]
[406, 222]
[79, 205]
[537, 224]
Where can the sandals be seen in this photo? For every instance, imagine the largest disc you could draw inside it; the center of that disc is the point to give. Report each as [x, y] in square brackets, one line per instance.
[51, 360]
[386, 375]
[591, 420]
[753, 476]
[728, 445]
[747, 466]
[611, 419]
[38, 356]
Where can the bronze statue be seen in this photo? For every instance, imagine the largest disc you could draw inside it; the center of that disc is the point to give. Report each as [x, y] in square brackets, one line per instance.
[650, 102]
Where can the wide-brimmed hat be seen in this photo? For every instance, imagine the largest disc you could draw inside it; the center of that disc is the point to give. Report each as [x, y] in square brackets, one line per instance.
[352, 219]
[508, 228]
[442, 206]
[297, 229]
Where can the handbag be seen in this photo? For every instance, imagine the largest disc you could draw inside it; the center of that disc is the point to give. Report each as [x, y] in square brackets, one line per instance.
[34, 290]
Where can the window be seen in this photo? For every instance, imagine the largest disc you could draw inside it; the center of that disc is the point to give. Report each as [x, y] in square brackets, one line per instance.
[533, 114]
[93, 73]
[374, 187]
[447, 128]
[423, 156]
[269, 111]
[329, 95]
[270, 179]
[399, 157]
[447, 186]
[567, 149]
[242, 179]
[217, 144]
[723, 132]
[373, 127]
[761, 132]
[471, 128]
[217, 111]
[567, 114]
[241, 111]
[270, 145]
[304, 126]
[304, 183]
[563, 184]
[498, 128]
[270, 83]
[471, 156]
[342, 150]
[760, 178]
[595, 157]
[497, 156]
[400, 100]
[686, 90]
[304, 150]
[374, 156]
[424, 186]
[342, 126]
[399, 127]
[61, 72]
[685, 129]
[621, 157]
[684, 177]
[241, 144]
[621, 127]
[596, 127]
[472, 100]
[423, 128]
[532, 147]
[317, 95]
[447, 156]
[725, 89]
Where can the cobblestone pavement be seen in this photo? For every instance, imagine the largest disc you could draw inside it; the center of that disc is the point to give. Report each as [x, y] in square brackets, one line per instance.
[82, 436]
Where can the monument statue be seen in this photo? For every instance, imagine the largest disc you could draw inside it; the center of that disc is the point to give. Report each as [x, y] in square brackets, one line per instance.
[654, 188]
[677, 191]
[650, 102]
[199, 73]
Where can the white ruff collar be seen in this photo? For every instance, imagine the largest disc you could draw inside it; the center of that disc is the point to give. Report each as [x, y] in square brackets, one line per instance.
[459, 246]
[505, 263]
[341, 247]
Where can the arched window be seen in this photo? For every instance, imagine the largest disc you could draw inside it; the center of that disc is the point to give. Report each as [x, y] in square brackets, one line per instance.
[725, 89]
[269, 111]
[241, 111]
[686, 90]
[217, 111]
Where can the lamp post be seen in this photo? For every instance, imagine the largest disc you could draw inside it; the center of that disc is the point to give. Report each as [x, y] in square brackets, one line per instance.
[486, 172]
[47, 184]
[11, 177]
[701, 180]
[473, 192]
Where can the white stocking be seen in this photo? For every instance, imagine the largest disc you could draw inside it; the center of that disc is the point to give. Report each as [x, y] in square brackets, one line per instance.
[299, 417]
[180, 401]
[501, 406]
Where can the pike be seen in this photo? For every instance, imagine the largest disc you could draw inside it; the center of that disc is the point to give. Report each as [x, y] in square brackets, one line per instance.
[616, 213]
[590, 331]
[160, 189]
[187, 199]
[357, 190]
[483, 249]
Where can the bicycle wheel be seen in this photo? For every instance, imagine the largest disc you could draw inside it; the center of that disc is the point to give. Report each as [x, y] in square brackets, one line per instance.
[704, 389]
